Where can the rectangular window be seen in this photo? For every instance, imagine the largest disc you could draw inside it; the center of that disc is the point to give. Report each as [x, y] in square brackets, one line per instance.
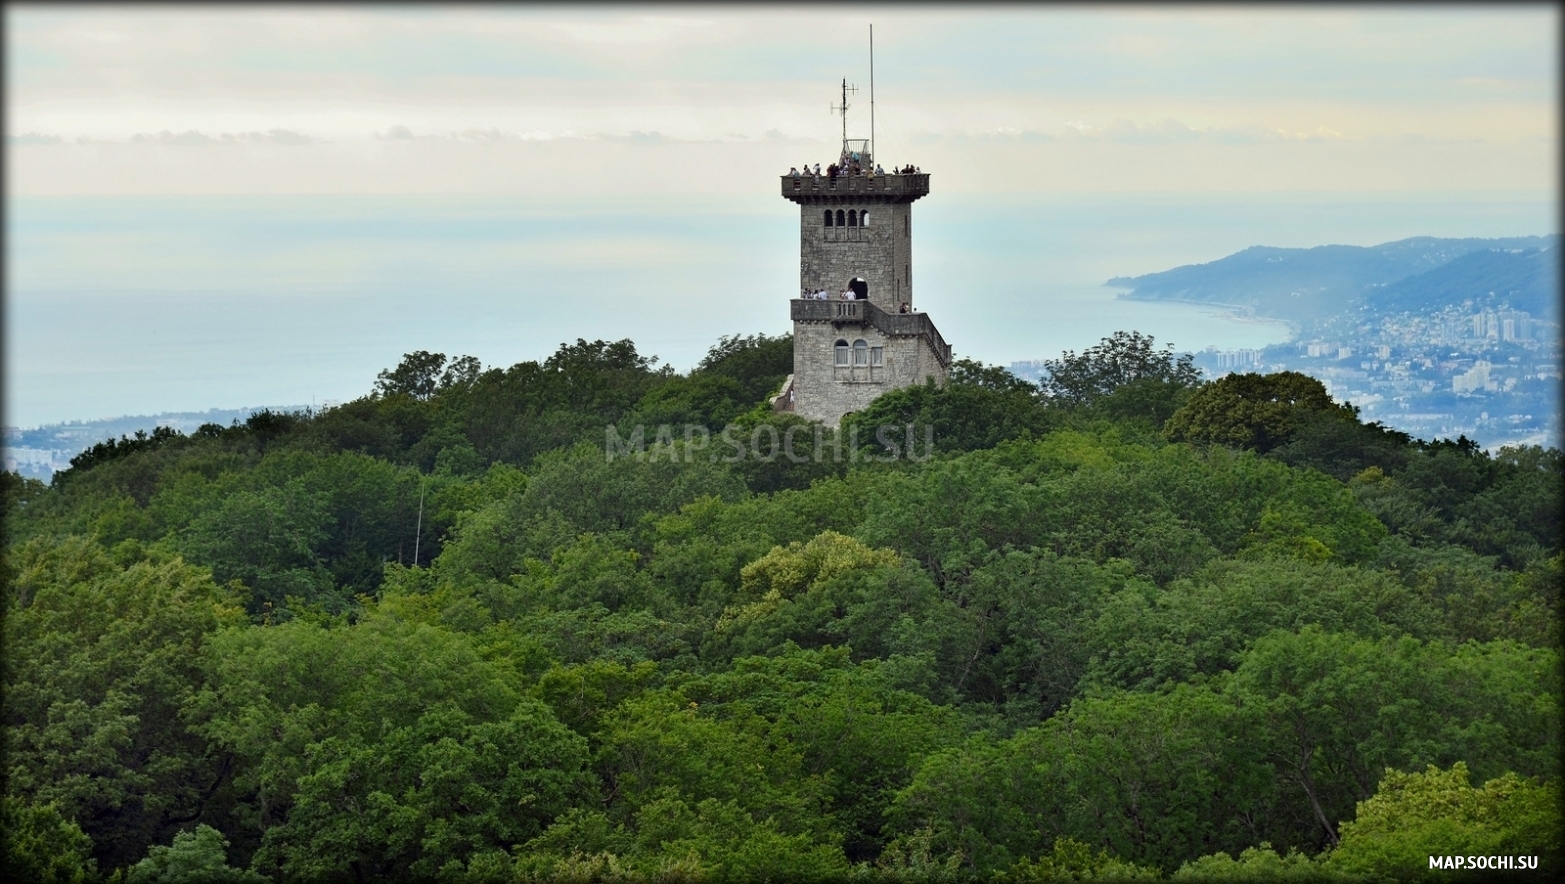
[842, 355]
[876, 356]
[859, 356]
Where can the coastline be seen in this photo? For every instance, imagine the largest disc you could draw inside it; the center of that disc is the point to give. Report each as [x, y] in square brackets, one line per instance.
[1232, 312]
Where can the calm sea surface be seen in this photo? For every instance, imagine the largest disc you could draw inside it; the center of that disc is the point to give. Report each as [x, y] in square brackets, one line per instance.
[137, 306]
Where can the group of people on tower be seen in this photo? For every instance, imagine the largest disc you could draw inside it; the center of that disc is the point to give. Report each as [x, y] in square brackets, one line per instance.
[848, 294]
[847, 167]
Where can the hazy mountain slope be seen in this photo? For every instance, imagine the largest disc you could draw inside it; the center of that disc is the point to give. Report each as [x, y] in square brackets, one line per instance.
[1526, 280]
[1309, 284]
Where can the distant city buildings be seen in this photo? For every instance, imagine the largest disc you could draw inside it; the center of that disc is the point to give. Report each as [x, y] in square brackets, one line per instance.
[1474, 379]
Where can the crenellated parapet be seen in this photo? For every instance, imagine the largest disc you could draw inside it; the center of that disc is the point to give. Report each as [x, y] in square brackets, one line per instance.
[884, 189]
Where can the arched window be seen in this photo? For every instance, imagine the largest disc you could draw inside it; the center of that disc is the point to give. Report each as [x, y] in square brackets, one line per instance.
[864, 219]
[842, 352]
[828, 217]
[853, 218]
[860, 352]
[841, 219]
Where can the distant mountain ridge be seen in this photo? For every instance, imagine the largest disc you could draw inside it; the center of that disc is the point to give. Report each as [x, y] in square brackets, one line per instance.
[1305, 285]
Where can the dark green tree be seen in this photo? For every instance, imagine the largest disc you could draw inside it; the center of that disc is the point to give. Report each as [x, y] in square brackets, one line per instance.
[417, 375]
[1118, 360]
[1254, 411]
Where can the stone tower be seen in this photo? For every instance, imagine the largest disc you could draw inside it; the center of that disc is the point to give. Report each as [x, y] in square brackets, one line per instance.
[856, 233]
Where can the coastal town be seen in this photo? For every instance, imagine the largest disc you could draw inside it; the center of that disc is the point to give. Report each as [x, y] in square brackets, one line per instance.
[1492, 375]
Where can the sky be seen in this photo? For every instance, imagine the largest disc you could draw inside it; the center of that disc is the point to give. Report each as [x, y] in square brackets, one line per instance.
[186, 99]
[300, 193]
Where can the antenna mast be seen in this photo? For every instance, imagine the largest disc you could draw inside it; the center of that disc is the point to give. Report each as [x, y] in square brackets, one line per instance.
[872, 93]
[843, 109]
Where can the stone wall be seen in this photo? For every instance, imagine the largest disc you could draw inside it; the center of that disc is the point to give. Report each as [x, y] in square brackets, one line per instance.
[824, 391]
[881, 253]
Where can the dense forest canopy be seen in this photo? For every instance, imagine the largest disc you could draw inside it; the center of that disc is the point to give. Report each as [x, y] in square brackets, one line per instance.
[1120, 624]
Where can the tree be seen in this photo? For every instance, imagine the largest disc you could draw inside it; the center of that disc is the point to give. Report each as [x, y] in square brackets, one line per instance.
[979, 407]
[757, 362]
[109, 450]
[405, 803]
[266, 539]
[196, 857]
[1254, 411]
[417, 375]
[102, 651]
[42, 846]
[1151, 778]
[1117, 360]
[1260, 864]
[1413, 816]
[1330, 712]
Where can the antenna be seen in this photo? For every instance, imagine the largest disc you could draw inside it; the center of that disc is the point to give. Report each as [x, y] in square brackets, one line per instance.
[843, 109]
[872, 93]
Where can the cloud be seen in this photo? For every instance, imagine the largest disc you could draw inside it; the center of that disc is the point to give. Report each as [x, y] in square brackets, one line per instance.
[189, 137]
[637, 137]
[1167, 131]
[481, 136]
[1319, 133]
[494, 135]
[277, 136]
[1172, 131]
[192, 138]
[33, 138]
[779, 135]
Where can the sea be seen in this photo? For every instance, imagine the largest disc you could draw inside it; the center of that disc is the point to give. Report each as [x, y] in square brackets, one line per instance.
[141, 305]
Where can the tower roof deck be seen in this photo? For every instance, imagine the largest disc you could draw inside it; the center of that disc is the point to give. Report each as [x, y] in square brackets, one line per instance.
[880, 188]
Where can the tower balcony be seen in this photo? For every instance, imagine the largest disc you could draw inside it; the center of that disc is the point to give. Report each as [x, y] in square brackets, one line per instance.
[810, 190]
[840, 313]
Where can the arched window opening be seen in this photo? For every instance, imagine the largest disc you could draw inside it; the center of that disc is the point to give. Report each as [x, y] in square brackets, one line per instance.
[841, 219]
[864, 219]
[842, 352]
[828, 217]
[860, 352]
[853, 218]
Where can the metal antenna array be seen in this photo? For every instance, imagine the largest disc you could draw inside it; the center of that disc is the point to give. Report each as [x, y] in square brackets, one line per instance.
[843, 109]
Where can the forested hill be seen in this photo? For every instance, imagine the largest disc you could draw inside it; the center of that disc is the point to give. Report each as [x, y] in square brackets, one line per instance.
[1305, 285]
[588, 619]
[1526, 280]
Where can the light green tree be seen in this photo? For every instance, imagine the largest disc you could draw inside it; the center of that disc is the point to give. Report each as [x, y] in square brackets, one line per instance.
[195, 857]
[1438, 812]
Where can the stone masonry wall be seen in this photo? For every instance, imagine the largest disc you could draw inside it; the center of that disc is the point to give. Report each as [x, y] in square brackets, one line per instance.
[825, 392]
[880, 253]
